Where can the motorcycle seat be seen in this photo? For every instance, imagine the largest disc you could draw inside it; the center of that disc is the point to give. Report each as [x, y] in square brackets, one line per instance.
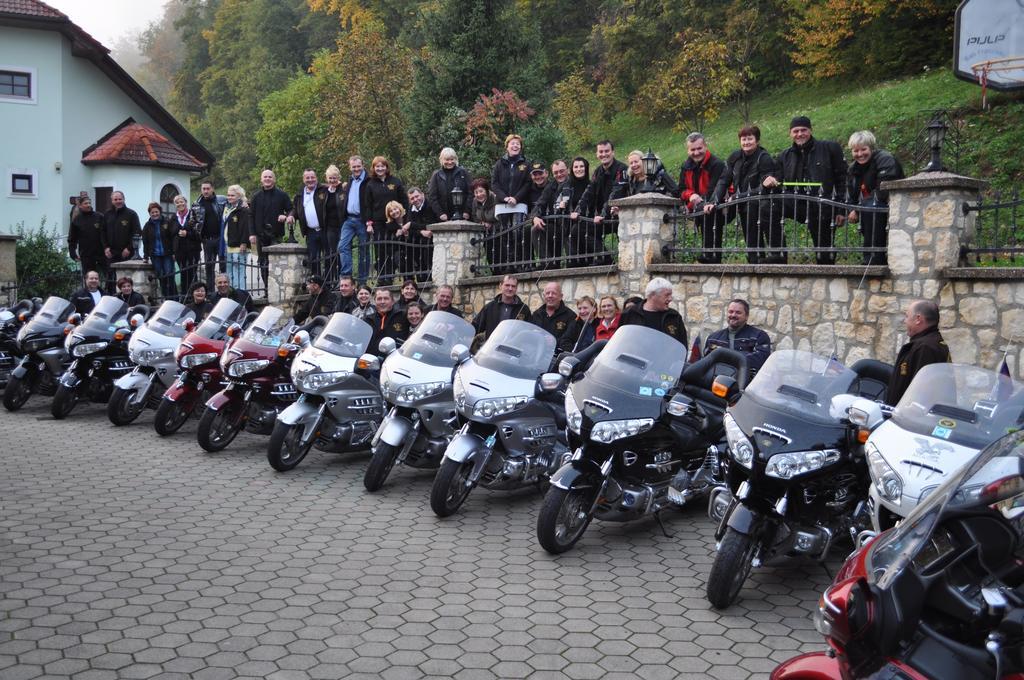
[698, 377]
[872, 379]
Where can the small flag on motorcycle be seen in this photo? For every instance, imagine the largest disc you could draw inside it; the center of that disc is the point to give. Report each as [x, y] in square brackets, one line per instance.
[695, 351]
[1004, 383]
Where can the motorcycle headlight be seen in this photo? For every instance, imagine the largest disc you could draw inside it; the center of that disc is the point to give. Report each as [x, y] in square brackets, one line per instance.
[740, 448]
[239, 368]
[34, 345]
[148, 356]
[88, 348]
[789, 465]
[489, 408]
[572, 412]
[312, 382]
[410, 393]
[887, 482]
[610, 430]
[193, 360]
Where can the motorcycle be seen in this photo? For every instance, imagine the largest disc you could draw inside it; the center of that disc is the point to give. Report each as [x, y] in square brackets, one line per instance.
[513, 435]
[941, 595]
[416, 381]
[11, 320]
[197, 356]
[259, 387]
[796, 471]
[948, 414]
[339, 405]
[639, 443]
[41, 340]
[99, 351]
[151, 348]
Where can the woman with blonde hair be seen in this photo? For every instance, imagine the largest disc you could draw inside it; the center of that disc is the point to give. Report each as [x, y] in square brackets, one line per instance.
[581, 332]
[383, 188]
[608, 319]
[335, 212]
[390, 251]
[446, 178]
[234, 236]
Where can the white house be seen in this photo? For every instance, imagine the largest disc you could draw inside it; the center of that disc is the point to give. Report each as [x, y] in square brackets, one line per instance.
[71, 119]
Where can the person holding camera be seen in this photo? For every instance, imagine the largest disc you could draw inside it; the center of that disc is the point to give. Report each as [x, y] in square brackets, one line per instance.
[269, 208]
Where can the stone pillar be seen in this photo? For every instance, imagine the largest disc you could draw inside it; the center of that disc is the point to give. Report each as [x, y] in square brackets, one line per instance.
[287, 273]
[642, 234]
[143, 277]
[8, 268]
[453, 251]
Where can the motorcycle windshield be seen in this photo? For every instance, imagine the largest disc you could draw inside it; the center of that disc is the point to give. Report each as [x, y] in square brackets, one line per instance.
[109, 314]
[169, 320]
[800, 383]
[433, 341]
[962, 404]
[270, 329]
[519, 349]
[223, 314]
[994, 478]
[54, 310]
[637, 363]
[344, 335]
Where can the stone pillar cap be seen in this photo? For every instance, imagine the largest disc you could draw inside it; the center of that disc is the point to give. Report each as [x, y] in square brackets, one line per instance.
[648, 199]
[934, 180]
[453, 226]
[9, 237]
[286, 248]
[131, 264]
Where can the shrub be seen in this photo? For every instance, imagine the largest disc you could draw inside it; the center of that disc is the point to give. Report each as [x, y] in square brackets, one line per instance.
[42, 264]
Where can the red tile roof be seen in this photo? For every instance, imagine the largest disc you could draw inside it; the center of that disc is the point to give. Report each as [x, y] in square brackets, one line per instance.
[132, 143]
[32, 8]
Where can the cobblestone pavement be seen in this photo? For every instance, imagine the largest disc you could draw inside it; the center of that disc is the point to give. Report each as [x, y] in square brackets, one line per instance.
[125, 555]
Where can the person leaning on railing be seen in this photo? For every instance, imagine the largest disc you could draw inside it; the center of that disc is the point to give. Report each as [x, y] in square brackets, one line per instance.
[697, 181]
[871, 166]
[481, 211]
[744, 175]
[549, 235]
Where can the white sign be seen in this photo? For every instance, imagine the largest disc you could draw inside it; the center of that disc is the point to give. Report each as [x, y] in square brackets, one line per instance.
[990, 31]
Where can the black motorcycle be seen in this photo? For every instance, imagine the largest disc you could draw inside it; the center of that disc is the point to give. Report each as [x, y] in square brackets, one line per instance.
[797, 477]
[11, 320]
[98, 348]
[41, 341]
[646, 432]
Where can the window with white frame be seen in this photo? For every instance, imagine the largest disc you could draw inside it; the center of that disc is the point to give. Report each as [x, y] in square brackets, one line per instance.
[22, 183]
[17, 84]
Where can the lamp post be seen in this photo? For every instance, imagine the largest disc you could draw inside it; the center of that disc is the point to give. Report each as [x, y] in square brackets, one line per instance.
[651, 163]
[936, 135]
[291, 233]
[458, 197]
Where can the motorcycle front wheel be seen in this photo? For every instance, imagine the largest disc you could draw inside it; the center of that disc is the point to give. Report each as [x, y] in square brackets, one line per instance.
[731, 568]
[170, 416]
[17, 392]
[564, 516]
[450, 489]
[217, 429]
[64, 401]
[286, 449]
[120, 409]
[384, 457]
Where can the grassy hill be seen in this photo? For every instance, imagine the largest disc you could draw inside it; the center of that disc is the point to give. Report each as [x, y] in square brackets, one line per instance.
[895, 111]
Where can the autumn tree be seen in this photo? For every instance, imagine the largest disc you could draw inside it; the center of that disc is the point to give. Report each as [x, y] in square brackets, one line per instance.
[579, 110]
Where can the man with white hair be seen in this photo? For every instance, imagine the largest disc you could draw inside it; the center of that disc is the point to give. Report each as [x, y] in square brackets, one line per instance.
[655, 312]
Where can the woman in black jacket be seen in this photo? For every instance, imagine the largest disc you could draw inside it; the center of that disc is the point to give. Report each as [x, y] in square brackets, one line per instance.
[188, 241]
[510, 182]
[381, 188]
[236, 228]
[158, 245]
[439, 189]
[871, 166]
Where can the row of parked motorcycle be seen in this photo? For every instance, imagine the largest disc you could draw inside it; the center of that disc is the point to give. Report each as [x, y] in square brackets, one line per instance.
[804, 457]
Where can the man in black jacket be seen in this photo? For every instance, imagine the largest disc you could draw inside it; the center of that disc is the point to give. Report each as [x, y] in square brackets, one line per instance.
[608, 174]
[697, 181]
[122, 227]
[506, 305]
[207, 212]
[443, 301]
[345, 300]
[224, 290]
[925, 346]
[320, 302]
[87, 236]
[269, 208]
[655, 311]
[88, 296]
[553, 316]
[388, 322]
[809, 168]
[738, 335]
[549, 234]
[419, 257]
[308, 209]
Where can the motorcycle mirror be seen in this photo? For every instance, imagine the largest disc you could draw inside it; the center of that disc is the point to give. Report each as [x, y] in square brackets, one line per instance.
[67, 329]
[75, 319]
[679, 405]
[368, 362]
[233, 330]
[287, 349]
[726, 387]
[190, 325]
[121, 335]
[550, 382]
[137, 321]
[567, 365]
[24, 316]
[460, 354]
[387, 346]
[301, 339]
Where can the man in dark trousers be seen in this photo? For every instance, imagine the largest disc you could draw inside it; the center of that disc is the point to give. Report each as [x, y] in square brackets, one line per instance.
[87, 236]
[810, 168]
[320, 302]
[122, 227]
[388, 322]
[419, 258]
[88, 296]
[207, 212]
[506, 305]
[308, 209]
[697, 181]
[553, 316]
[744, 338]
[443, 301]
[269, 208]
[925, 346]
[549, 234]
[655, 311]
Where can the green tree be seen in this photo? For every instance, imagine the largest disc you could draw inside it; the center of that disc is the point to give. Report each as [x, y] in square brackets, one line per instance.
[288, 138]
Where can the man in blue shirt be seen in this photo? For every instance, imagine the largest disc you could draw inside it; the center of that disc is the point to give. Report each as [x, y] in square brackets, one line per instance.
[737, 335]
[353, 197]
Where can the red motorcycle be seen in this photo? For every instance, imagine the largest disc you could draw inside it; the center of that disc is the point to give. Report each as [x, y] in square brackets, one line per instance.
[941, 596]
[197, 356]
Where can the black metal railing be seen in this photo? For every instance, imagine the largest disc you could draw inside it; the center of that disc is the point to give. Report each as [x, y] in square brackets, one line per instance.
[998, 240]
[62, 284]
[246, 276]
[560, 244]
[392, 261]
[781, 228]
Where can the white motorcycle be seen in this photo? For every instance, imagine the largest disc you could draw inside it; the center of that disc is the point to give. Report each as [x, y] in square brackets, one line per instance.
[151, 348]
[949, 413]
[417, 382]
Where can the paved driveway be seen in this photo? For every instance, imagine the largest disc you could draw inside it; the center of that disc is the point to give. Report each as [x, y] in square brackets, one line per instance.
[126, 555]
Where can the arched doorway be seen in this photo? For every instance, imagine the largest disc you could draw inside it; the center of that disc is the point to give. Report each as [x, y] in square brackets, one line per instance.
[167, 194]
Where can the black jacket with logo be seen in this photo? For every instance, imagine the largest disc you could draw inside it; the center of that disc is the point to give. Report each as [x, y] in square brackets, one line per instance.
[82, 300]
[240, 296]
[864, 179]
[394, 324]
[319, 205]
[490, 316]
[121, 226]
[819, 160]
[87, 235]
[265, 207]
[364, 214]
[927, 347]
[380, 192]
[439, 190]
[165, 230]
[556, 324]
[511, 177]
[744, 174]
[602, 182]
[669, 321]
